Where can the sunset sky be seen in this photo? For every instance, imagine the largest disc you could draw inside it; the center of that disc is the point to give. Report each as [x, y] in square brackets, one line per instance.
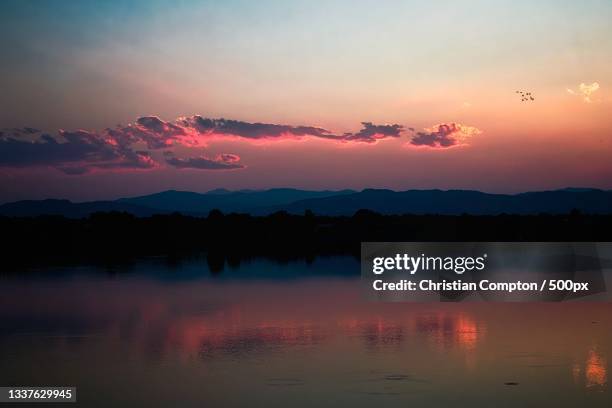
[108, 99]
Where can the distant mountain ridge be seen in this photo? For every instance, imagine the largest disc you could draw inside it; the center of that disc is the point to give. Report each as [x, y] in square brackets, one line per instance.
[248, 201]
[327, 202]
[456, 202]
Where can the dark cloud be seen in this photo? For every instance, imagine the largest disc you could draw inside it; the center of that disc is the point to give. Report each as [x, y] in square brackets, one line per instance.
[46, 150]
[247, 129]
[221, 162]
[154, 132]
[19, 131]
[75, 152]
[133, 146]
[229, 157]
[444, 135]
[370, 132]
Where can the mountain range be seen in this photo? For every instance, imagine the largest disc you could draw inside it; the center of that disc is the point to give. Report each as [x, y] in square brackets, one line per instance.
[342, 202]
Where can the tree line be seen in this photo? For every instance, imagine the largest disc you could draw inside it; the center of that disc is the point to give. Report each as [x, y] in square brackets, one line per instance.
[116, 237]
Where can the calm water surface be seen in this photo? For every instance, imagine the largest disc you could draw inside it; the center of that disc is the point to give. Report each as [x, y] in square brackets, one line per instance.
[264, 334]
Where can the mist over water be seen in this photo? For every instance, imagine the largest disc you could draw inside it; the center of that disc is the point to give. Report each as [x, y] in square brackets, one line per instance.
[293, 334]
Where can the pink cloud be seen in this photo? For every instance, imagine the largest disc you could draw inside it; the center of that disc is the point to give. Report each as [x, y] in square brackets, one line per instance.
[224, 161]
[444, 135]
[139, 145]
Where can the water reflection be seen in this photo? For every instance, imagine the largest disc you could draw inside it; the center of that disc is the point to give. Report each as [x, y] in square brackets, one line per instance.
[593, 372]
[378, 333]
[259, 339]
[314, 334]
[596, 373]
[446, 330]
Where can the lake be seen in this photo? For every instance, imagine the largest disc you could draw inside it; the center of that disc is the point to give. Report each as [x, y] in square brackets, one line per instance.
[262, 333]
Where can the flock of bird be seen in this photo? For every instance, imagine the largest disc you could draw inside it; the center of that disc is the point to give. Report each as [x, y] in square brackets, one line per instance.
[525, 96]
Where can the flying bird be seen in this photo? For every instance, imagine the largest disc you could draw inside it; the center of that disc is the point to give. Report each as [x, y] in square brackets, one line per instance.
[525, 96]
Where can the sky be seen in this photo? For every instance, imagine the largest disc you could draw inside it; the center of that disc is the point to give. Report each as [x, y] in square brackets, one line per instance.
[102, 100]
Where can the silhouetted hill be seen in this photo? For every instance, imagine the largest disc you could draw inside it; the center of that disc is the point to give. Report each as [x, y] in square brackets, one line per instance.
[29, 208]
[219, 191]
[246, 201]
[456, 202]
[333, 203]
